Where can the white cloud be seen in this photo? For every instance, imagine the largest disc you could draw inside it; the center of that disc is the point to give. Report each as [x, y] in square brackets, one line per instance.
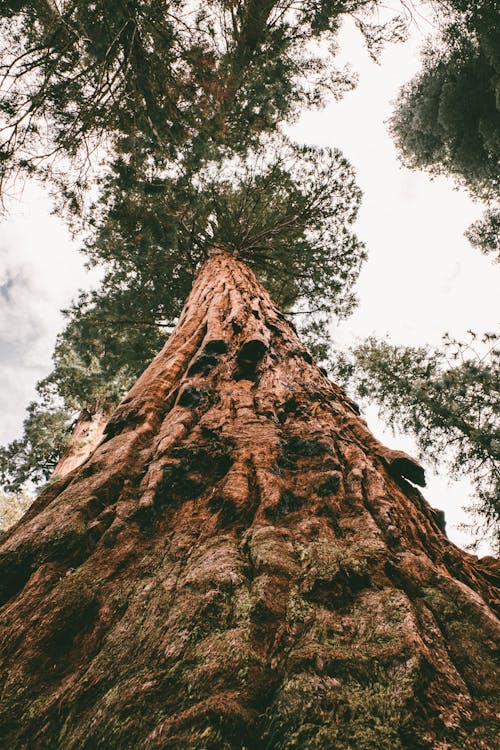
[40, 271]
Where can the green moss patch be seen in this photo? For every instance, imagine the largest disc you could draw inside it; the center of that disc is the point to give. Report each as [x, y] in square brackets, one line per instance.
[313, 712]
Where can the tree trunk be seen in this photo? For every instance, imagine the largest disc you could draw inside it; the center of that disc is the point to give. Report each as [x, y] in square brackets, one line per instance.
[86, 436]
[240, 564]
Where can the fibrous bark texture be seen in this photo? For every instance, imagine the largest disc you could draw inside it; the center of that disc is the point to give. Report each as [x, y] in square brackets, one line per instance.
[240, 564]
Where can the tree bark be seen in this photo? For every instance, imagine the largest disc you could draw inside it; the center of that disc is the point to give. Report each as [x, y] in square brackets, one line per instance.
[86, 436]
[241, 564]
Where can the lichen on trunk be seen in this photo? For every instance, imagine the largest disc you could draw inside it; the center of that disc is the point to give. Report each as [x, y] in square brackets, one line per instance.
[240, 564]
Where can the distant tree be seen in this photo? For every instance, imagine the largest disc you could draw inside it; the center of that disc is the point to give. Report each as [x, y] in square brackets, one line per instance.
[12, 507]
[485, 233]
[447, 119]
[449, 399]
[31, 459]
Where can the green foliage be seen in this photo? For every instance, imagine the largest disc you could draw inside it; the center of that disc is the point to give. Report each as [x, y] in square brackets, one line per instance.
[189, 79]
[447, 118]
[31, 459]
[181, 104]
[449, 399]
[94, 366]
[287, 210]
[485, 233]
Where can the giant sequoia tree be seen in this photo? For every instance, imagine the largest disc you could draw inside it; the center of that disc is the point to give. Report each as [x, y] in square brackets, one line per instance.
[240, 564]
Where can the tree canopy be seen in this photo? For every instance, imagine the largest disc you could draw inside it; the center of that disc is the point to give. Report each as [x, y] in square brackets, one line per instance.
[287, 210]
[485, 233]
[188, 80]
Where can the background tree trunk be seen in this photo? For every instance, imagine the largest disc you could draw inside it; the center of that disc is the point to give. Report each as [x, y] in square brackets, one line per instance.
[240, 564]
[85, 437]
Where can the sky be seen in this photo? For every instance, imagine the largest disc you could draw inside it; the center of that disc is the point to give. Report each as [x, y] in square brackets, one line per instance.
[422, 278]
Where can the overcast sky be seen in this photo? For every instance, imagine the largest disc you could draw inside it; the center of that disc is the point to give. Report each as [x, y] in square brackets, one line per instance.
[422, 278]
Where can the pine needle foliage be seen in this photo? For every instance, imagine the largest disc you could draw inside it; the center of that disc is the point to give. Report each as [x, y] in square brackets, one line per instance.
[449, 399]
[447, 118]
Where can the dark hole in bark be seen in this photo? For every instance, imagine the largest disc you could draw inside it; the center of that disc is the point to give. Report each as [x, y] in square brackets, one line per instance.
[196, 469]
[288, 503]
[124, 416]
[407, 469]
[203, 364]
[248, 359]
[297, 448]
[292, 407]
[214, 459]
[177, 485]
[251, 352]
[215, 346]
[338, 592]
[330, 486]
[191, 396]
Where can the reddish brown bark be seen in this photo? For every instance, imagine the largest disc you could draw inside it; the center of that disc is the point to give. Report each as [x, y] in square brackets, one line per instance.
[240, 564]
[86, 436]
